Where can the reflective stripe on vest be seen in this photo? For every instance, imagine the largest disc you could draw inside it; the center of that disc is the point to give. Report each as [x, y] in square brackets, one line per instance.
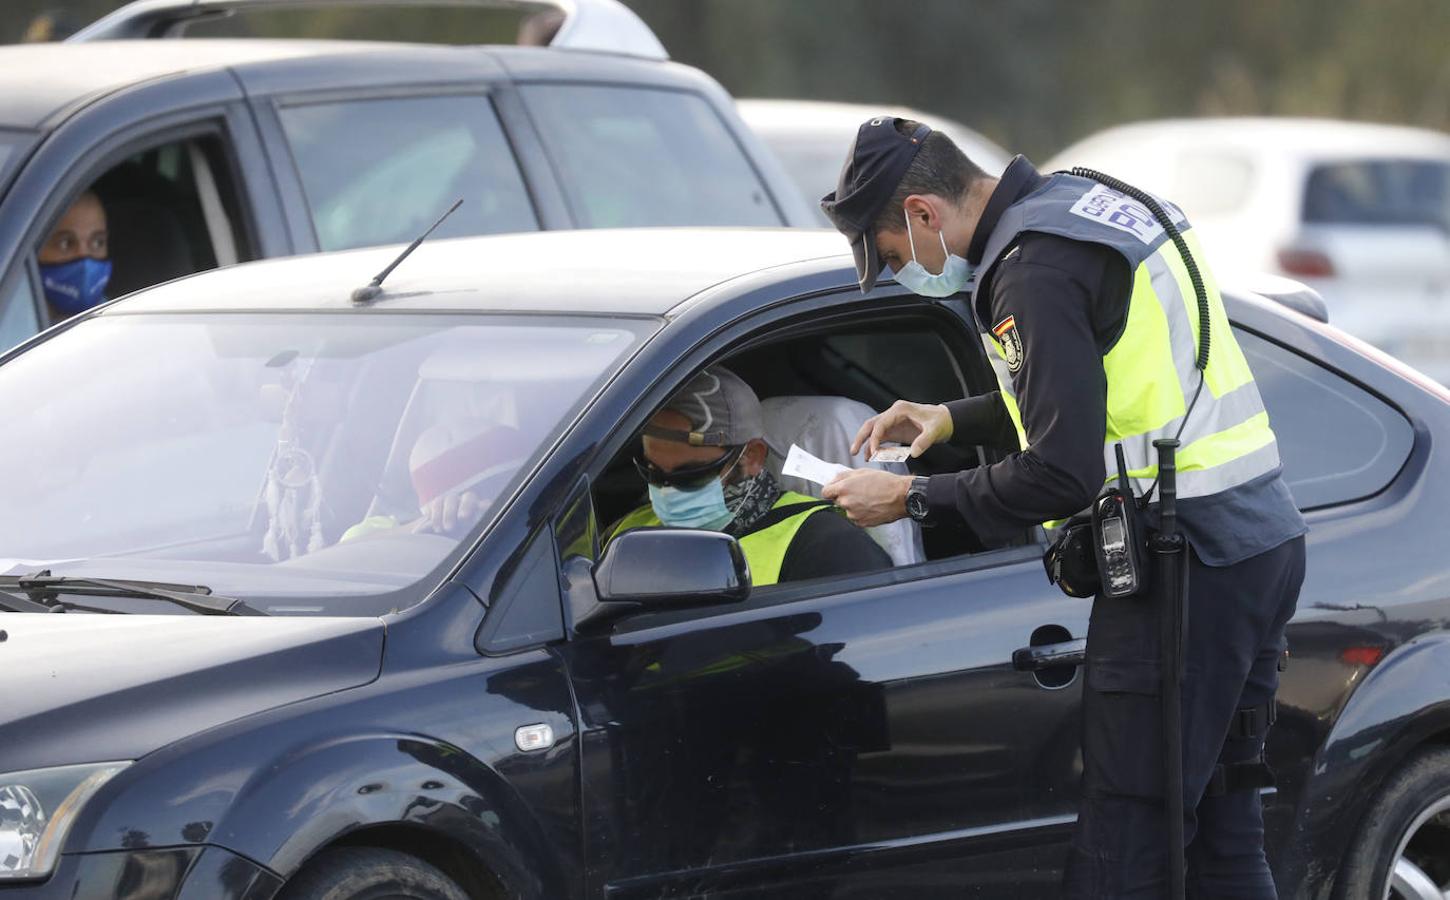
[1150, 370]
[764, 549]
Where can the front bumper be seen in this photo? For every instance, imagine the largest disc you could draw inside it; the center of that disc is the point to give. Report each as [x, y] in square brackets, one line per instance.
[180, 873]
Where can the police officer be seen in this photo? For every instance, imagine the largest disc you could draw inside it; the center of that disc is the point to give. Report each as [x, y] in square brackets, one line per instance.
[1088, 307]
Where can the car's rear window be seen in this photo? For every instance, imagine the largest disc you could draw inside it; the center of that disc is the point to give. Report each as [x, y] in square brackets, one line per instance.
[381, 171]
[638, 157]
[1379, 192]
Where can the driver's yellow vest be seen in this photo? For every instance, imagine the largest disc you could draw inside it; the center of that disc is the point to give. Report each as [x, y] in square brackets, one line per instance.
[1150, 370]
[764, 549]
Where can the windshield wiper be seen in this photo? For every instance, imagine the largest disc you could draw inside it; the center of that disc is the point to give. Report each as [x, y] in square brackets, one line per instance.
[17, 603]
[42, 587]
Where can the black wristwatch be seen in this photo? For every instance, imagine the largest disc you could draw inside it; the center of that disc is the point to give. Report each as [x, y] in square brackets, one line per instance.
[916, 500]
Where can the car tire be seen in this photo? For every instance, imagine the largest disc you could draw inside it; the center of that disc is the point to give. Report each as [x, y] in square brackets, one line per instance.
[1403, 850]
[369, 873]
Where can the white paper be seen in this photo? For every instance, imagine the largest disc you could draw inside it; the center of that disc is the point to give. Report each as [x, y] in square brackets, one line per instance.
[800, 464]
[896, 454]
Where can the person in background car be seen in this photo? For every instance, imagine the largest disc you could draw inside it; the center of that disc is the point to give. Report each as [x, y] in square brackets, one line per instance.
[74, 260]
[458, 468]
[704, 462]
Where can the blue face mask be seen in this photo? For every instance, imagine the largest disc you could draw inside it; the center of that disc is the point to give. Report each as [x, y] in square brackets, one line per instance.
[956, 272]
[76, 286]
[701, 507]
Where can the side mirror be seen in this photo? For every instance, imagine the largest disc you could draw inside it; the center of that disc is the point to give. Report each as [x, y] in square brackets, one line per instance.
[672, 568]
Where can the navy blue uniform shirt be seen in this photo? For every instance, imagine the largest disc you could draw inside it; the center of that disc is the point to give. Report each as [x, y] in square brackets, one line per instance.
[1070, 299]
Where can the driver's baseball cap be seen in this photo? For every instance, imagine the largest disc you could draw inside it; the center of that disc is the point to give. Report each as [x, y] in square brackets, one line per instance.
[878, 159]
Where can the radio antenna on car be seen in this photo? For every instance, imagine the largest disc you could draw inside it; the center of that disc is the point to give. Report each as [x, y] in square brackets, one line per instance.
[372, 289]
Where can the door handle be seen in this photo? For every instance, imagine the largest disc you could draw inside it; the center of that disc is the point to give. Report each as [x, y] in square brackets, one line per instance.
[1050, 656]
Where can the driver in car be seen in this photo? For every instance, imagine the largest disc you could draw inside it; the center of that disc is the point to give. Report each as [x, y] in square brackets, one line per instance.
[457, 468]
[704, 462]
[75, 264]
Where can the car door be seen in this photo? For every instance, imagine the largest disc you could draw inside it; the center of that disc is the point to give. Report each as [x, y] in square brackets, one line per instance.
[855, 737]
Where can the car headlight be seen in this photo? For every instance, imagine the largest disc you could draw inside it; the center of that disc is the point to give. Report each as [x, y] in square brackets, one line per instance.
[37, 809]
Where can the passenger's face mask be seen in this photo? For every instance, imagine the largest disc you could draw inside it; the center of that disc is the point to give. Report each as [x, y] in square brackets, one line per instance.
[955, 274]
[700, 507]
[76, 286]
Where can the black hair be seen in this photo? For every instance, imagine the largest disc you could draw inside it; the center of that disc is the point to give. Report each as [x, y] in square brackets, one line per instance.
[940, 167]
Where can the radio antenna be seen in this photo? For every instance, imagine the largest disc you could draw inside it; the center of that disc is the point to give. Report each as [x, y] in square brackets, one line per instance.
[372, 289]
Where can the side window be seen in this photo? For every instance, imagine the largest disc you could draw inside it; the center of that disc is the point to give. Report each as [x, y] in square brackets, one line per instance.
[1379, 192]
[1338, 442]
[1211, 182]
[18, 319]
[381, 171]
[159, 214]
[816, 387]
[633, 157]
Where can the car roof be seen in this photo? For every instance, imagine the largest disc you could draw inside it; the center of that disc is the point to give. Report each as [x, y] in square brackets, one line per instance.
[39, 81]
[800, 118]
[1305, 137]
[640, 271]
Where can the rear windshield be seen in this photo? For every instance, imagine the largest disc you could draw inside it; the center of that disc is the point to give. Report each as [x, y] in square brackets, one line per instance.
[637, 157]
[1380, 192]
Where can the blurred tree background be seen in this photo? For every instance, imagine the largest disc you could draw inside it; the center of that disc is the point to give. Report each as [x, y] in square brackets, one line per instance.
[1033, 75]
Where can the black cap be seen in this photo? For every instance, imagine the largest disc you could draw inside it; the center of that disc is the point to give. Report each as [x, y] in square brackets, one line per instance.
[878, 159]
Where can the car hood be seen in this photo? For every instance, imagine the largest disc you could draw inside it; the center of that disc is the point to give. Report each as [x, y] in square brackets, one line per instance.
[85, 688]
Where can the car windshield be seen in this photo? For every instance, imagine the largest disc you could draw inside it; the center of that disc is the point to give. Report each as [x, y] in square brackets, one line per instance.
[1380, 192]
[308, 463]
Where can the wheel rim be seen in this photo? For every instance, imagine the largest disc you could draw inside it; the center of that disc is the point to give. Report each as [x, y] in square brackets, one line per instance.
[1421, 869]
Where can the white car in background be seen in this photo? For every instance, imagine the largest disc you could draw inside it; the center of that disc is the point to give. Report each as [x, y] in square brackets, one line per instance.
[811, 138]
[1359, 212]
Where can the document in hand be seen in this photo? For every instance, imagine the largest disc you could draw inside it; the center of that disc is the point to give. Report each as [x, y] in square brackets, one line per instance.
[800, 464]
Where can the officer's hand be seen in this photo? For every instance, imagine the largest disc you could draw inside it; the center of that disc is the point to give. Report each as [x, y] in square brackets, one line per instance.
[920, 423]
[451, 514]
[869, 496]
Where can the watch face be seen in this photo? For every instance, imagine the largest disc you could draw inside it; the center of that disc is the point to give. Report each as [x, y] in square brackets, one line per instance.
[916, 504]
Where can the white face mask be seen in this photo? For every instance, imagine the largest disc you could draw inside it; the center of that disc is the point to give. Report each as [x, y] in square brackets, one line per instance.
[956, 272]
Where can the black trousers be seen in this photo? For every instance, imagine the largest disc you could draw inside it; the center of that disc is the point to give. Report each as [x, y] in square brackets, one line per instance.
[1235, 636]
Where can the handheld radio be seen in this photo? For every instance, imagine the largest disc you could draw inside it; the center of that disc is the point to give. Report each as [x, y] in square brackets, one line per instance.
[1117, 537]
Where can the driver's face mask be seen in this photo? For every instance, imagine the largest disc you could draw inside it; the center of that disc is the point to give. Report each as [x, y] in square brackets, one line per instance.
[76, 286]
[955, 274]
[697, 507]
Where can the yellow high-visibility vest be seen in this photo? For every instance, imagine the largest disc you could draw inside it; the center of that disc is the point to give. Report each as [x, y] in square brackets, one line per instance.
[1150, 370]
[764, 549]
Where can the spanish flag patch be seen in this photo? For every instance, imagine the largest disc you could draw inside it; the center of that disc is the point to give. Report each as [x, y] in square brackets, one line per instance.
[1010, 341]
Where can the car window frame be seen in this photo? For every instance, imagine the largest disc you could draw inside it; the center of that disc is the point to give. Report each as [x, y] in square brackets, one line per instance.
[803, 312]
[1348, 378]
[288, 173]
[216, 122]
[776, 203]
[24, 277]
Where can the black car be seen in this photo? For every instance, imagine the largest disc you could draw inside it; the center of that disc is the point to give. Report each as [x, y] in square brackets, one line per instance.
[306, 687]
[207, 151]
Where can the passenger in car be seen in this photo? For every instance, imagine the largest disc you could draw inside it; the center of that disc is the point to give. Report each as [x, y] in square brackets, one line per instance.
[704, 462]
[75, 263]
[457, 467]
